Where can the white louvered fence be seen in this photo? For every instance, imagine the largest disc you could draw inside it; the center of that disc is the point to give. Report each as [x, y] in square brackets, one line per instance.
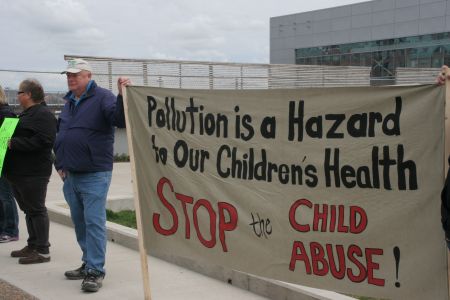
[216, 75]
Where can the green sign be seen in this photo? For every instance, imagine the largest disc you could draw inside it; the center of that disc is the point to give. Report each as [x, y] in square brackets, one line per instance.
[6, 132]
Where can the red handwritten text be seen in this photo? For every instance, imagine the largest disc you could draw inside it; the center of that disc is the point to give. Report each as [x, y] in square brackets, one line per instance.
[227, 219]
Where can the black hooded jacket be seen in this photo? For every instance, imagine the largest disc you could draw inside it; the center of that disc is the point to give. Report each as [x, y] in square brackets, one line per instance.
[30, 151]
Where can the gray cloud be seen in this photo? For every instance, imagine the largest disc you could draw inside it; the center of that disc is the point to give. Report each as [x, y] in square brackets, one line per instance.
[62, 24]
[38, 33]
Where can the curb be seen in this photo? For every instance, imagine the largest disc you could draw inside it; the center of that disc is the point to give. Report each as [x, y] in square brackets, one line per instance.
[272, 289]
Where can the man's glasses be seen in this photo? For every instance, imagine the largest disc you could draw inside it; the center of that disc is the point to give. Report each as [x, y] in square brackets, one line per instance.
[20, 92]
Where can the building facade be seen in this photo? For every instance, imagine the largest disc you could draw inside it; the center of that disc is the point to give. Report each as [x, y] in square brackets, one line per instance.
[381, 34]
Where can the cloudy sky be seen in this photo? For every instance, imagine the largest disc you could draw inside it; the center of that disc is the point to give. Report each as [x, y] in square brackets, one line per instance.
[36, 34]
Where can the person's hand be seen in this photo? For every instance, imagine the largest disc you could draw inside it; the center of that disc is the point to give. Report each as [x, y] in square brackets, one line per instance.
[62, 174]
[443, 75]
[121, 82]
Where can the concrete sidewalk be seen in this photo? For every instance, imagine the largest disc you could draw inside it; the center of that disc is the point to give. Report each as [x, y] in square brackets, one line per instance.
[123, 279]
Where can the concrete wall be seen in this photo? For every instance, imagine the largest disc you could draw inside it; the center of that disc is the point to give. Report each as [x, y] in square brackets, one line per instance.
[120, 141]
[372, 20]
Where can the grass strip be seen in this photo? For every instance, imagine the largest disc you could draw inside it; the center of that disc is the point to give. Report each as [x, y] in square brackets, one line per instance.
[123, 217]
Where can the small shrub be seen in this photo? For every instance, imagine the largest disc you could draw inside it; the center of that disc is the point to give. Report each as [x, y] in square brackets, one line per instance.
[121, 157]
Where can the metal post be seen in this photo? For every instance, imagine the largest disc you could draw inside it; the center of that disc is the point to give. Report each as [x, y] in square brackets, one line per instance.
[242, 77]
[179, 74]
[110, 84]
[269, 77]
[211, 77]
[145, 73]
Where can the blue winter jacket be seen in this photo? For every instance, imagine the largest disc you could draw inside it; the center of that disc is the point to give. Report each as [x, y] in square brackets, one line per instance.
[85, 138]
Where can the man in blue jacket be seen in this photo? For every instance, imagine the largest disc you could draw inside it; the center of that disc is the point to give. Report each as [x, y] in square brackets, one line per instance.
[84, 161]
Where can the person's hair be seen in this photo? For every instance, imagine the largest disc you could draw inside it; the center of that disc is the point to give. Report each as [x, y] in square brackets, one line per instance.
[2, 96]
[33, 87]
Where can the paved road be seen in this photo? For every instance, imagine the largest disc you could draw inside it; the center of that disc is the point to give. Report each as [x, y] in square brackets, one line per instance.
[10, 292]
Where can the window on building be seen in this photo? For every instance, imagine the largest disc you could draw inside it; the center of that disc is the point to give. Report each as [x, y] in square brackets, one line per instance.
[326, 60]
[317, 60]
[356, 59]
[411, 58]
[366, 59]
[446, 49]
[424, 57]
[399, 58]
[346, 60]
[383, 56]
[383, 64]
[300, 61]
[335, 60]
[437, 57]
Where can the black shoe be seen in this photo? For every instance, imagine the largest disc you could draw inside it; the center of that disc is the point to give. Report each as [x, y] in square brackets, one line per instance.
[34, 258]
[76, 274]
[93, 281]
[24, 252]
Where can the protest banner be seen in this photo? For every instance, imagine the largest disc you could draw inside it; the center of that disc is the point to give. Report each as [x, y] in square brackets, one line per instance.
[334, 188]
[6, 131]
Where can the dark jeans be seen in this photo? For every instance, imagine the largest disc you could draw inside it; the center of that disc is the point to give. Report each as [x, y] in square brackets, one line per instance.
[9, 219]
[30, 193]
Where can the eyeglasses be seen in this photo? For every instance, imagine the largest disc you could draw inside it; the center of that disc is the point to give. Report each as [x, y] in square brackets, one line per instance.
[73, 75]
[20, 92]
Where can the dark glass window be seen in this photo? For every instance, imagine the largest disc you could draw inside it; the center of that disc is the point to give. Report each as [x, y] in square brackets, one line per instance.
[382, 56]
[326, 60]
[446, 54]
[335, 60]
[424, 57]
[383, 64]
[377, 64]
[437, 57]
[313, 61]
[366, 59]
[399, 58]
[356, 59]
[346, 60]
[309, 61]
[300, 61]
[387, 42]
[411, 58]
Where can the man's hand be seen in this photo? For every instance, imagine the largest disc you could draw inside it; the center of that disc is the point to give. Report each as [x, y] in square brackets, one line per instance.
[443, 75]
[121, 82]
[62, 174]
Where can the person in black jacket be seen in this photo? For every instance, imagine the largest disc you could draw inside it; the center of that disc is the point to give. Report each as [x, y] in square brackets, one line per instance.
[9, 219]
[29, 166]
[441, 79]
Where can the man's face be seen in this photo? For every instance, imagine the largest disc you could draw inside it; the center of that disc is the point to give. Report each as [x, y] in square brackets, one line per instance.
[77, 82]
[23, 97]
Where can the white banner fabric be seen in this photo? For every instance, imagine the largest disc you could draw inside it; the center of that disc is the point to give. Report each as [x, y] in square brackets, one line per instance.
[333, 188]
